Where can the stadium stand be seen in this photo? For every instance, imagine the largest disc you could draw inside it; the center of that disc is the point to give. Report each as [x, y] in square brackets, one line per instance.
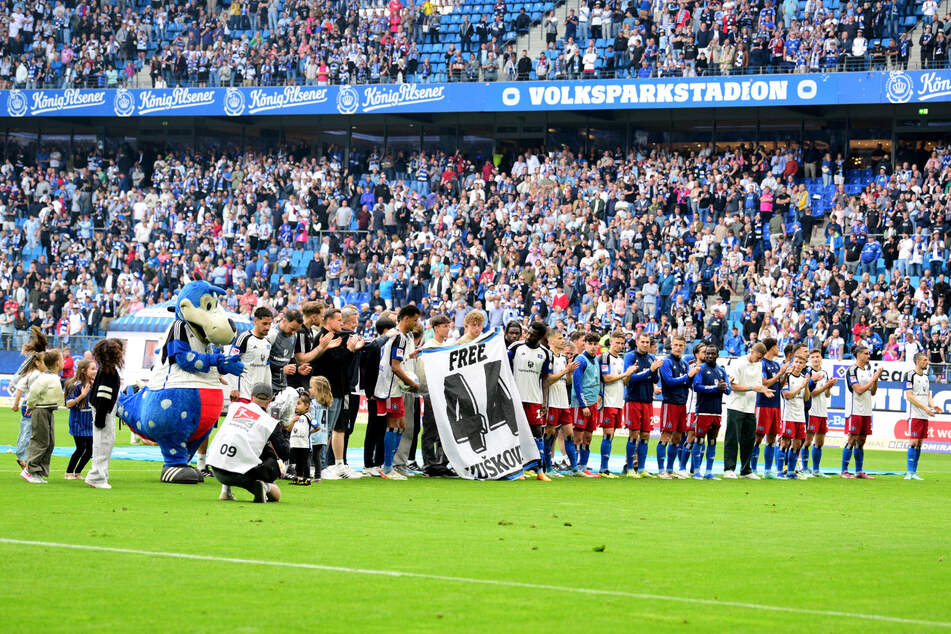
[781, 242]
[142, 43]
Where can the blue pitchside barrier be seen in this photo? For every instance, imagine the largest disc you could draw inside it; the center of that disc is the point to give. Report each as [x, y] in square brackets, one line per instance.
[896, 87]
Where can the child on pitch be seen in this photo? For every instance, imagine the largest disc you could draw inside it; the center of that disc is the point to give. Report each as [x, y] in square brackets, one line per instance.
[321, 399]
[45, 397]
[301, 428]
[77, 390]
[26, 374]
[283, 409]
[109, 355]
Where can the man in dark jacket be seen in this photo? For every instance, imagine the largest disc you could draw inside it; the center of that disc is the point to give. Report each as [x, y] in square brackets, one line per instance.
[351, 321]
[524, 66]
[523, 22]
[334, 365]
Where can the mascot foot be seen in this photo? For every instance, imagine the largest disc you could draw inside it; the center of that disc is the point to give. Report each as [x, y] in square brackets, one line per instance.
[181, 475]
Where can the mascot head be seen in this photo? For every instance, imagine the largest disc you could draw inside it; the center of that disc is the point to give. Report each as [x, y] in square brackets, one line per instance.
[198, 306]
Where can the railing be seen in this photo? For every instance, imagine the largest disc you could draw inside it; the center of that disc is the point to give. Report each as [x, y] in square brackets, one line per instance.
[78, 344]
[626, 71]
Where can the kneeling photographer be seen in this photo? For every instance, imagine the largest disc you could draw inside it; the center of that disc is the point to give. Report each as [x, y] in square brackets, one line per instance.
[246, 450]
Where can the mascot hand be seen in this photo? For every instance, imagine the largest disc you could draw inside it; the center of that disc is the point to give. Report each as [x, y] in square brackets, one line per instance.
[230, 364]
[191, 361]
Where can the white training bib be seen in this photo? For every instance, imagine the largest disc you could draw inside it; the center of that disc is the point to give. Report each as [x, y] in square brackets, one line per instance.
[238, 444]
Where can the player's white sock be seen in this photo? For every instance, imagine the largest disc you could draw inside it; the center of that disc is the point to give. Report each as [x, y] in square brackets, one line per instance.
[201, 461]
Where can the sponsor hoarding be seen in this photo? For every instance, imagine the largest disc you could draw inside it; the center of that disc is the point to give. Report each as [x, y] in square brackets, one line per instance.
[896, 87]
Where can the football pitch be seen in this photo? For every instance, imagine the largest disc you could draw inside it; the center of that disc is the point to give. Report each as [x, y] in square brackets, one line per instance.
[449, 555]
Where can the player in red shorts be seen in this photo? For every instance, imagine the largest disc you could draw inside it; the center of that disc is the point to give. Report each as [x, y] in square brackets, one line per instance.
[614, 376]
[817, 425]
[688, 438]
[862, 382]
[675, 378]
[394, 377]
[531, 366]
[710, 384]
[920, 407]
[639, 397]
[795, 392]
[586, 389]
[560, 415]
[768, 408]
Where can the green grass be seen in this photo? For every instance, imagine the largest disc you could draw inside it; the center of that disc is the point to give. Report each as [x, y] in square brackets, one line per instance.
[879, 548]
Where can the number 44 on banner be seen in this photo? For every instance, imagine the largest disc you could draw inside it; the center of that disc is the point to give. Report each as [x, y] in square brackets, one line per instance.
[483, 431]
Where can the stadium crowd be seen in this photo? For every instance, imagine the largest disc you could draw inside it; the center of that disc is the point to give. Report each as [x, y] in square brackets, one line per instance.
[729, 246]
[273, 42]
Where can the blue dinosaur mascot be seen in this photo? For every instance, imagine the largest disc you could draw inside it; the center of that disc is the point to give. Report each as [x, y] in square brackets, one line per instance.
[182, 401]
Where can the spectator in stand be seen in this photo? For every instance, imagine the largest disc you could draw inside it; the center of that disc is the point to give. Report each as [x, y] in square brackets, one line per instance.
[677, 240]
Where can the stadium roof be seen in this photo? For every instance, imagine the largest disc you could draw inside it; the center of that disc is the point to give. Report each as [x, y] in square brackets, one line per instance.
[158, 318]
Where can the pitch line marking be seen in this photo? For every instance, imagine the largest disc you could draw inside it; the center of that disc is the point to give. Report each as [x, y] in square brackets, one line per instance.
[487, 582]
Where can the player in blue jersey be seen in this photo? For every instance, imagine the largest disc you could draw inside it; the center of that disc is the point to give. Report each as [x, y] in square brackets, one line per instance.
[685, 448]
[639, 404]
[675, 378]
[586, 388]
[769, 423]
[710, 384]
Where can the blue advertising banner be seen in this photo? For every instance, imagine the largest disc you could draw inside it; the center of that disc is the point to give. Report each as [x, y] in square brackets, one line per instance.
[697, 92]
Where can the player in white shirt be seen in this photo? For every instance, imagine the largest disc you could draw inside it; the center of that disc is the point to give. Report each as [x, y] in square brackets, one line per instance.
[795, 393]
[531, 367]
[246, 450]
[395, 376]
[862, 381]
[818, 424]
[613, 379]
[920, 406]
[559, 404]
[255, 350]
